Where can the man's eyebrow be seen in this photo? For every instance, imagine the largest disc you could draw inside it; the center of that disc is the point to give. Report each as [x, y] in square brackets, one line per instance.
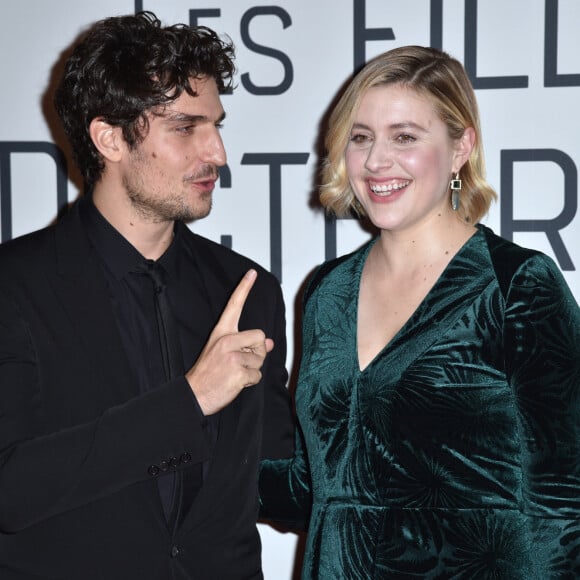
[177, 117]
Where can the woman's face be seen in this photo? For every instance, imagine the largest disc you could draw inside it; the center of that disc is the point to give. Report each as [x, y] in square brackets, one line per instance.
[400, 158]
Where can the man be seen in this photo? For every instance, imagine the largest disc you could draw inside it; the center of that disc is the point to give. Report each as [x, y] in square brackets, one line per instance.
[134, 410]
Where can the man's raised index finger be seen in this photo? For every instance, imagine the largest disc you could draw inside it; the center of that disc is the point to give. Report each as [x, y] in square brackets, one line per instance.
[231, 315]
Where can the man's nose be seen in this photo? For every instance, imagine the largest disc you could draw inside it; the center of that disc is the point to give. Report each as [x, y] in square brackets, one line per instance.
[214, 151]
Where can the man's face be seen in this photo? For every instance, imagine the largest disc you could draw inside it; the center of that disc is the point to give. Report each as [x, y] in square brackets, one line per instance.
[171, 174]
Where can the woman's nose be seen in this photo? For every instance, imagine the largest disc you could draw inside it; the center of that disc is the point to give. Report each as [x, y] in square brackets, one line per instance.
[380, 156]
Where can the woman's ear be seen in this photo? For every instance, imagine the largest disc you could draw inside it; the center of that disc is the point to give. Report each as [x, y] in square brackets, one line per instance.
[107, 139]
[463, 148]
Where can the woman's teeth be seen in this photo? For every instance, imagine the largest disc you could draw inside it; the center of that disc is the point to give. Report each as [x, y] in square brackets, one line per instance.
[387, 189]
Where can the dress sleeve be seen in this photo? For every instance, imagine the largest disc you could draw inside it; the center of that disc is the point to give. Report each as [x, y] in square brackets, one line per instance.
[285, 484]
[278, 428]
[285, 490]
[542, 357]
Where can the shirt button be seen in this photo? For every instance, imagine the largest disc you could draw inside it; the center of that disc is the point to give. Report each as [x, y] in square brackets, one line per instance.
[153, 470]
[175, 551]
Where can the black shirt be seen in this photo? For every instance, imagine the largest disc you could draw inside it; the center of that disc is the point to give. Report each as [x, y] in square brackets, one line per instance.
[132, 298]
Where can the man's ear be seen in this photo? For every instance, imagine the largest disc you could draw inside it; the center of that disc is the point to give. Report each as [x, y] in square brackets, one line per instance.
[107, 139]
[463, 148]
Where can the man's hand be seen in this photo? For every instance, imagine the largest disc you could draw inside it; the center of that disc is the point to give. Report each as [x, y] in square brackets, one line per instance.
[231, 360]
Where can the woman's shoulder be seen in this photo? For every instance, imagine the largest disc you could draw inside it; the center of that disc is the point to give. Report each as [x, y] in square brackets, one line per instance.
[503, 249]
[508, 259]
[335, 265]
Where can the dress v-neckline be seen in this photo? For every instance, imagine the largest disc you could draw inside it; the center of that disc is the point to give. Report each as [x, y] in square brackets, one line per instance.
[420, 307]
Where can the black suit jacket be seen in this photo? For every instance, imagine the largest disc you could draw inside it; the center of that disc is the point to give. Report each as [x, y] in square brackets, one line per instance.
[77, 440]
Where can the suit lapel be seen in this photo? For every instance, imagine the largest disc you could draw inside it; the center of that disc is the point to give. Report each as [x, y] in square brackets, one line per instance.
[218, 284]
[80, 286]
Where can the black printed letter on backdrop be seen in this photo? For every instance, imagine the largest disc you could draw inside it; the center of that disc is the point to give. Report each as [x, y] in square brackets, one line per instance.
[550, 227]
[9, 147]
[275, 161]
[267, 51]
[362, 34]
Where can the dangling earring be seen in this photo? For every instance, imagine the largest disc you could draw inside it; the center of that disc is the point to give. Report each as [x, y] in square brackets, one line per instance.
[455, 185]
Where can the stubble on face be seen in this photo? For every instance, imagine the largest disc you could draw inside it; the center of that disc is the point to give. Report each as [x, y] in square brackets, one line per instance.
[163, 206]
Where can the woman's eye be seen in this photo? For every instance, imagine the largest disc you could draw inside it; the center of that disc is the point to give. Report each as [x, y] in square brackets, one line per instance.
[405, 138]
[359, 138]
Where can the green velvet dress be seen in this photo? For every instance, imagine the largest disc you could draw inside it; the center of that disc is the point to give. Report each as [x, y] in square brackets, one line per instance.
[456, 452]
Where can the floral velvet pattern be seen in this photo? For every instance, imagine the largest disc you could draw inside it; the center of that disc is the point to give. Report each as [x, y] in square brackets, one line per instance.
[456, 452]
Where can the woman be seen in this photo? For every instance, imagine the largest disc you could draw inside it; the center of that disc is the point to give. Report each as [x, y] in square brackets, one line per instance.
[439, 388]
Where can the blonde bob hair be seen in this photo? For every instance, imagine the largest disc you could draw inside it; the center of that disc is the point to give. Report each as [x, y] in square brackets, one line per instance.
[443, 81]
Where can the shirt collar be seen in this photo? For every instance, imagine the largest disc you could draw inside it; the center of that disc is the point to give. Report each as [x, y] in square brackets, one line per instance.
[116, 252]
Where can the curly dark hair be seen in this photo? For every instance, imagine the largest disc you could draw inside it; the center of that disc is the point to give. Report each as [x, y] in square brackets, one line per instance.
[125, 66]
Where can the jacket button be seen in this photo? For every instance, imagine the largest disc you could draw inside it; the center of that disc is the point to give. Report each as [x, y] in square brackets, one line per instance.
[175, 551]
[174, 462]
[164, 465]
[153, 470]
[185, 457]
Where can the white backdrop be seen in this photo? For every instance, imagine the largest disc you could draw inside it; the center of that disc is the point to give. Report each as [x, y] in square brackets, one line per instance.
[292, 57]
